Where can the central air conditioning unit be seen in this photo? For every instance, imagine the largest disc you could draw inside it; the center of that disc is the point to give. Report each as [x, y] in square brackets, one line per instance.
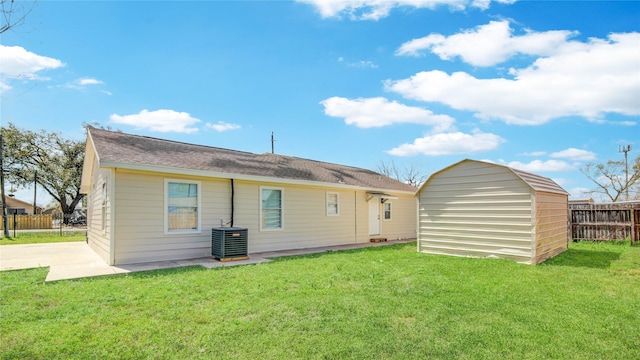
[229, 243]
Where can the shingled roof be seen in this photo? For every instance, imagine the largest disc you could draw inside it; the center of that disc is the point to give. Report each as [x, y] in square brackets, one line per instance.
[117, 149]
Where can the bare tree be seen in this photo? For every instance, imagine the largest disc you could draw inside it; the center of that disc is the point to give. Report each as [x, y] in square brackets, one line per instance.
[408, 174]
[13, 13]
[611, 180]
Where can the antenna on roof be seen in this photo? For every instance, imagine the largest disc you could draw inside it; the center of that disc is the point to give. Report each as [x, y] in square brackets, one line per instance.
[273, 141]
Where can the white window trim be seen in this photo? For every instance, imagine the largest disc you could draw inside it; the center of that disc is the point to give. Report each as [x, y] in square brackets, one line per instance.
[166, 207]
[281, 208]
[337, 203]
[390, 210]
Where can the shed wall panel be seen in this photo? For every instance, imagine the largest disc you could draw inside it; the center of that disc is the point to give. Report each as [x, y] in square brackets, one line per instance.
[476, 209]
[552, 221]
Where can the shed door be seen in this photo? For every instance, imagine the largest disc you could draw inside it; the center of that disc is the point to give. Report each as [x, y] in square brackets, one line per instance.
[374, 216]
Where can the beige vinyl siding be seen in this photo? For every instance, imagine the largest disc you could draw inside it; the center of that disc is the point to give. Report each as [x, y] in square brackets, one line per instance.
[139, 215]
[551, 225]
[476, 209]
[99, 237]
[403, 219]
[304, 217]
[140, 218]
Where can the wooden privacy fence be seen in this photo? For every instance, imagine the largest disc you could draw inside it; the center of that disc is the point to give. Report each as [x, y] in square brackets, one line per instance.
[28, 222]
[617, 221]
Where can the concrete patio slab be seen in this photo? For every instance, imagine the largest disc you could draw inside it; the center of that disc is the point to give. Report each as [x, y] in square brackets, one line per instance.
[77, 260]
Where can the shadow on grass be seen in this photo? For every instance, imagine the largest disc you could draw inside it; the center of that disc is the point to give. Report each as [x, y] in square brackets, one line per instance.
[595, 259]
[163, 272]
[342, 251]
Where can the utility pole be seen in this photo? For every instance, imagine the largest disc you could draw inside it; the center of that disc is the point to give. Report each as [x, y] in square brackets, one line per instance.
[5, 220]
[35, 188]
[625, 150]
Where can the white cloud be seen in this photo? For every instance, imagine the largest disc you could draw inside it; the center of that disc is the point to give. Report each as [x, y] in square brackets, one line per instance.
[363, 64]
[535, 153]
[490, 44]
[379, 111]
[89, 81]
[449, 144]
[582, 193]
[359, 64]
[539, 165]
[159, 120]
[574, 154]
[562, 181]
[80, 84]
[591, 80]
[18, 63]
[377, 9]
[222, 126]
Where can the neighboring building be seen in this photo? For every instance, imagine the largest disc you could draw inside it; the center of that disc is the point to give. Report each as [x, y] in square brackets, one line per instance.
[151, 199]
[481, 209]
[16, 206]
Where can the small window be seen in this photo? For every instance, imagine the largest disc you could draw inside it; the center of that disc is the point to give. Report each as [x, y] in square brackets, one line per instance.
[333, 208]
[271, 209]
[387, 210]
[182, 206]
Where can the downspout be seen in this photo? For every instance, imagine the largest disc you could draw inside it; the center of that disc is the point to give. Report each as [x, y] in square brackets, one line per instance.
[233, 195]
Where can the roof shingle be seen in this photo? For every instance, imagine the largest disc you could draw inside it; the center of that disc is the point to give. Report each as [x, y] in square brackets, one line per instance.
[126, 149]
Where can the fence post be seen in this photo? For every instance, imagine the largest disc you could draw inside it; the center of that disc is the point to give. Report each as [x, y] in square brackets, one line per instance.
[632, 215]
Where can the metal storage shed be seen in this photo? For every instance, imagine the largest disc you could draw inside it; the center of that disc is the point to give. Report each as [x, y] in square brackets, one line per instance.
[480, 209]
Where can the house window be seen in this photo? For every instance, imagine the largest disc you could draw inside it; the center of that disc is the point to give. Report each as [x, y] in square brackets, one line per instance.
[332, 204]
[387, 210]
[182, 206]
[103, 207]
[271, 209]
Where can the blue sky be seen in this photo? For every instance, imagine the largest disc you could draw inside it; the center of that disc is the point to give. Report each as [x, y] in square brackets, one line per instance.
[544, 86]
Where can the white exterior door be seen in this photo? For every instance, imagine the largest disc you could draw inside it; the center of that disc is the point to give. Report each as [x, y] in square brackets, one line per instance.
[374, 216]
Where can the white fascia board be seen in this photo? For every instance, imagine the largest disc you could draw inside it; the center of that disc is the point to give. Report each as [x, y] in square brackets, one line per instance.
[87, 165]
[223, 175]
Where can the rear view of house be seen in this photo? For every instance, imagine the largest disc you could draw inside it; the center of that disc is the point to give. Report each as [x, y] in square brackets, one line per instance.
[480, 209]
[151, 199]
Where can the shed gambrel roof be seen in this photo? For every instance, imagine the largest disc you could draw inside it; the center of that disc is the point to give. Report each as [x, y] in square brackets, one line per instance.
[539, 183]
[536, 182]
[117, 149]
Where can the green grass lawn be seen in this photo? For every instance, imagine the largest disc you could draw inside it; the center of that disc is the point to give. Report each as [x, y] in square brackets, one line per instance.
[38, 237]
[375, 303]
